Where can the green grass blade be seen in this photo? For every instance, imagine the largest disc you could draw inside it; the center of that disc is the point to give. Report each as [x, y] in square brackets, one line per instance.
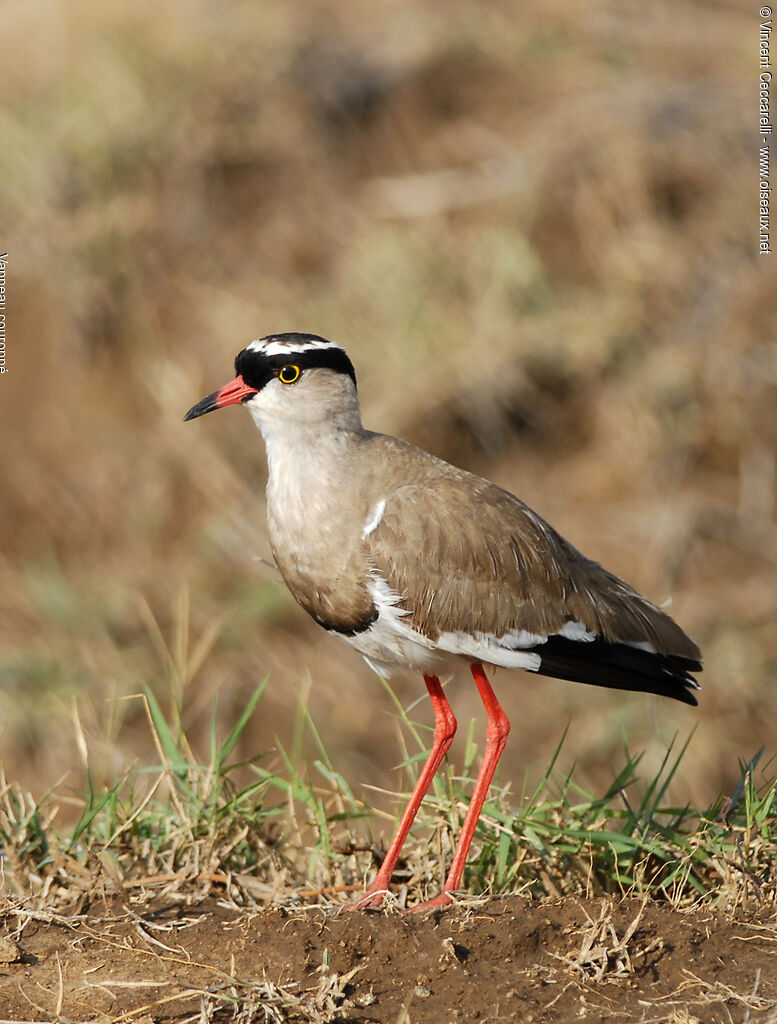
[237, 730]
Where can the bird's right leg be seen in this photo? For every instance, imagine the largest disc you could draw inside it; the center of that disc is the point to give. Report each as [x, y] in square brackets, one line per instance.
[444, 731]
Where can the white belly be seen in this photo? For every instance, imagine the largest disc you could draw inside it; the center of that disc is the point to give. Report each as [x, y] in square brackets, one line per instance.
[391, 641]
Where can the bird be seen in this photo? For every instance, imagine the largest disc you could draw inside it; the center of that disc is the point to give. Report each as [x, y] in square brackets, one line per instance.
[422, 566]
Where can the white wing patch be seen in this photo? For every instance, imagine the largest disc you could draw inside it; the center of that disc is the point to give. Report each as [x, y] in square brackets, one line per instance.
[576, 631]
[374, 520]
[641, 645]
[512, 649]
[492, 649]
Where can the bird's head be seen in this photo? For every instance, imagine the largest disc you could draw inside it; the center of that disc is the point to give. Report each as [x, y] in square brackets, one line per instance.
[289, 377]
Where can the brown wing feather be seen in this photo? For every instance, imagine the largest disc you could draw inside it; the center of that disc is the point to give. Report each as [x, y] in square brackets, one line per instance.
[467, 555]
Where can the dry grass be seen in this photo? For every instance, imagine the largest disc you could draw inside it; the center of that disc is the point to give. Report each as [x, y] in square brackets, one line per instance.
[188, 829]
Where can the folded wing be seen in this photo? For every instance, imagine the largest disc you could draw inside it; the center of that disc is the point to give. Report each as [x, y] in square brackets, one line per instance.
[483, 576]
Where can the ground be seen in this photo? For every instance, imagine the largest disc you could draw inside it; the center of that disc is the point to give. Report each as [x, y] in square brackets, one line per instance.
[513, 958]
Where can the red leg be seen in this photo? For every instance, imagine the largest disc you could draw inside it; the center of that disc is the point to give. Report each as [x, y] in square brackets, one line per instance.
[444, 731]
[496, 738]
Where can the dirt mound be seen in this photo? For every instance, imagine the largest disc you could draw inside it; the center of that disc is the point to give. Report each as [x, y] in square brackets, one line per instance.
[494, 959]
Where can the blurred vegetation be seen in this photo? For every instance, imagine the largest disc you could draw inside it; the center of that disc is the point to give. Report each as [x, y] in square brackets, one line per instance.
[183, 825]
[533, 228]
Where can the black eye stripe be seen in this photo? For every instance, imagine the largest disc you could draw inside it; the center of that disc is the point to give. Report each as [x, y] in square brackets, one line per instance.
[257, 369]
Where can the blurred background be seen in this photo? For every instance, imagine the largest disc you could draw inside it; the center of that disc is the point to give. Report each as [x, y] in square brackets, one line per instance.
[534, 228]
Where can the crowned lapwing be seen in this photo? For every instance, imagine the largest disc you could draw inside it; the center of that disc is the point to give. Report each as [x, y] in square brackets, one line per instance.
[418, 564]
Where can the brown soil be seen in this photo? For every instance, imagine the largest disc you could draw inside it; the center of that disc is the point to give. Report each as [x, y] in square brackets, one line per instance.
[486, 960]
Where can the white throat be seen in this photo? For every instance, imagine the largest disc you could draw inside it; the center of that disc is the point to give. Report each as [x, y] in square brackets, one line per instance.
[307, 437]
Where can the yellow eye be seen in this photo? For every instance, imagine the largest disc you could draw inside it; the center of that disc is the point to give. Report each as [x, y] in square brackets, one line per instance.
[289, 374]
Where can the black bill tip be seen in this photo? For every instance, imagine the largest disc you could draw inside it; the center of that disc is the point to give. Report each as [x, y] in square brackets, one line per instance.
[206, 405]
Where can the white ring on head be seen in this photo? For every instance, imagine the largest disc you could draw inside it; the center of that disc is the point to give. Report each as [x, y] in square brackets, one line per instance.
[280, 347]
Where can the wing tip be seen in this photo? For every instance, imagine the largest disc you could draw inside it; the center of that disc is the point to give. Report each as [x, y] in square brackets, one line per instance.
[620, 666]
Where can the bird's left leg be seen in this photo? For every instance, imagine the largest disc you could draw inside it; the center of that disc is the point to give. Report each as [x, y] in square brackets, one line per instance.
[496, 737]
[444, 731]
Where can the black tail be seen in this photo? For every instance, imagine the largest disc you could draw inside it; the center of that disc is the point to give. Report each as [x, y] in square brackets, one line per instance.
[619, 666]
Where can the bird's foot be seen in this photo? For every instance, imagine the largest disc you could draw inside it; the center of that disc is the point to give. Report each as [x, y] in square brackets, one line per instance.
[372, 899]
[443, 900]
